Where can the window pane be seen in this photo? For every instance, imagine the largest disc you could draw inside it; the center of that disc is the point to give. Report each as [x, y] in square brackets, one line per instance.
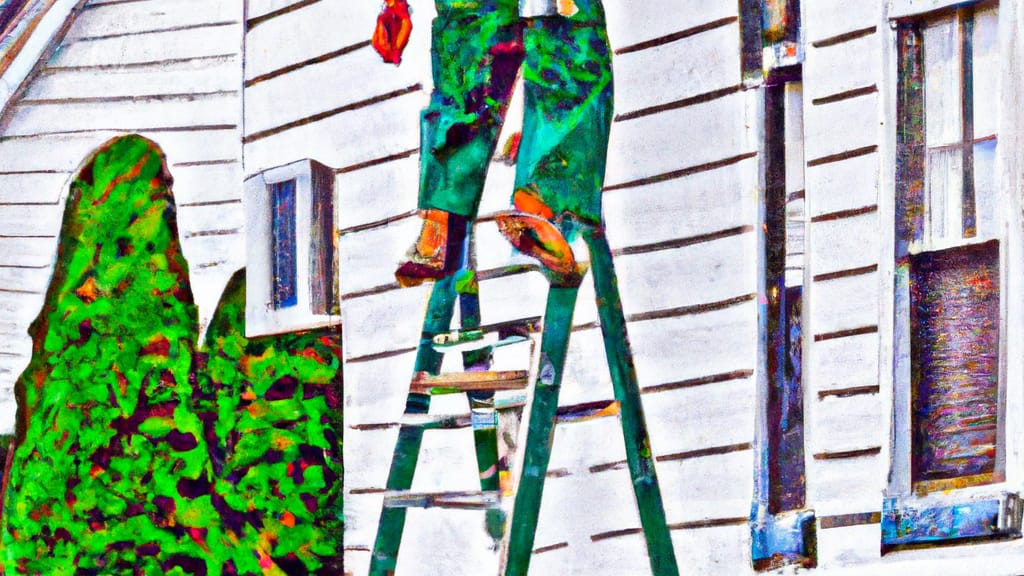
[795, 242]
[794, 137]
[283, 248]
[986, 73]
[942, 83]
[986, 193]
[786, 415]
[942, 195]
[955, 361]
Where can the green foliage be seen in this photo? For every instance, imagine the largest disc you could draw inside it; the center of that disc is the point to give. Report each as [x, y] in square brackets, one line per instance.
[138, 453]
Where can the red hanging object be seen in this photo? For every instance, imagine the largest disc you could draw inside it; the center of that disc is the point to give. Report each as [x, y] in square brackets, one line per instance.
[392, 32]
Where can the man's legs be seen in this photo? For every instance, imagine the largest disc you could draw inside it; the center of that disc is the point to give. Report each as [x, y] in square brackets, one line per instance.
[477, 51]
[561, 164]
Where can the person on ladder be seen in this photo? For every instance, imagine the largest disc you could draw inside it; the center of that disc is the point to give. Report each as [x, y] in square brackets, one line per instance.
[478, 49]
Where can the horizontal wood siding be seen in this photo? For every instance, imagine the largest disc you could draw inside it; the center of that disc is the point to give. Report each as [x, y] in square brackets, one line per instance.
[680, 210]
[168, 71]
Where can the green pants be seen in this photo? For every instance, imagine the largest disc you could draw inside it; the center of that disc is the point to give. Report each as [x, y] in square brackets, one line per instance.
[478, 48]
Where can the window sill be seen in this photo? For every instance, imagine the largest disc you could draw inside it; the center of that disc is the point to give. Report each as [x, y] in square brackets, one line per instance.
[949, 519]
[784, 539]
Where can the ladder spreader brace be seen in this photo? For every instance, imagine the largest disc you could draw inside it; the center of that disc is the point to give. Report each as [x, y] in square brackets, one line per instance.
[479, 384]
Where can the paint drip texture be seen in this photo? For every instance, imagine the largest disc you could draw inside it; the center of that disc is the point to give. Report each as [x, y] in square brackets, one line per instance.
[140, 453]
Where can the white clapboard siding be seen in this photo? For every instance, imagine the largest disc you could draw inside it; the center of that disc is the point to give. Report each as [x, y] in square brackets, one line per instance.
[27, 252]
[577, 506]
[580, 445]
[849, 546]
[442, 542]
[846, 485]
[383, 385]
[845, 303]
[447, 462]
[33, 187]
[135, 17]
[845, 66]
[682, 69]
[19, 310]
[630, 24]
[819, 18]
[339, 140]
[29, 280]
[715, 549]
[388, 313]
[150, 47]
[843, 185]
[698, 204]
[723, 340]
[841, 126]
[841, 363]
[377, 192]
[705, 487]
[207, 182]
[196, 220]
[362, 513]
[30, 220]
[185, 110]
[842, 424]
[263, 8]
[701, 417]
[215, 75]
[300, 93]
[323, 27]
[655, 144]
[845, 243]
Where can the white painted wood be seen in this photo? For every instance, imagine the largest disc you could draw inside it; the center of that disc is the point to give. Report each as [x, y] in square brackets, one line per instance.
[652, 145]
[841, 126]
[844, 363]
[845, 303]
[392, 125]
[843, 185]
[849, 546]
[698, 204]
[716, 550]
[36, 44]
[27, 251]
[820, 21]
[696, 489]
[377, 192]
[904, 8]
[379, 390]
[376, 265]
[852, 423]
[844, 244]
[362, 513]
[845, 486]
[325, 27]
[24, 279]
[439, 542]
[40, 188]
[257, 8]
[630, 23]
[174, 78]
[708, 416]
[185, 111]
[207, 183]
[390, 314]
[677, 70]
[135, 17]
[30, 220]
[300, 93]
[200, 220]
[723, 341]
[845, 66]
[208, 41]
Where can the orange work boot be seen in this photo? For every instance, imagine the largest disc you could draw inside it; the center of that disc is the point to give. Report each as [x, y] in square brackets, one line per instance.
[427, 259]
[530, 230]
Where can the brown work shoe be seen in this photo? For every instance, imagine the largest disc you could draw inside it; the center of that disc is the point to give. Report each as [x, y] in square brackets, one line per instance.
[540, 239]
[427, 258]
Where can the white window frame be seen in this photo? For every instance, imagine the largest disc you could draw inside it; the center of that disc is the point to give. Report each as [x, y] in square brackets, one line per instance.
[262, 318]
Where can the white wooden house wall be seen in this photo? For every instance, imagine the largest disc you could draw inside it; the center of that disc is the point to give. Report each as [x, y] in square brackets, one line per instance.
[686, 265]
[170, 71]
[681, 211]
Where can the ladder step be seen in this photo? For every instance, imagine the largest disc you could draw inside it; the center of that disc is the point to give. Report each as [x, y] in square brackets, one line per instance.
[565, 415]
[520, 327]
[471, 500]
[469, 340]
[455, 382]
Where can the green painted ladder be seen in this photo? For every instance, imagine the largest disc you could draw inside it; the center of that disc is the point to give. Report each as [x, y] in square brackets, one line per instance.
[557, 326]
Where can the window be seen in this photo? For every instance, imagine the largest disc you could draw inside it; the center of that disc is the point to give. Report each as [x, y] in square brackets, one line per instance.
[291, 258]
[949, 311]
[282, 245]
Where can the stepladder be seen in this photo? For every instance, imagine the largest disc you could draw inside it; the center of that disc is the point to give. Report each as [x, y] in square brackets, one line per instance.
[513, 459]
